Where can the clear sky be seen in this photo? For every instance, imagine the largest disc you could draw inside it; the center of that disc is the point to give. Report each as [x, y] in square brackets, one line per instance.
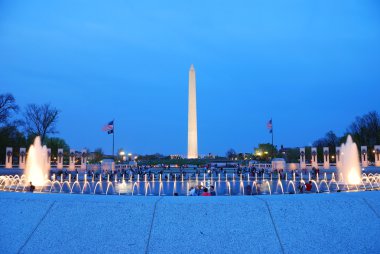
[312, 66]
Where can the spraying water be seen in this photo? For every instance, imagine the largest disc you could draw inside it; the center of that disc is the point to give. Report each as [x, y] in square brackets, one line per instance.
[350, 162]
[37, 163]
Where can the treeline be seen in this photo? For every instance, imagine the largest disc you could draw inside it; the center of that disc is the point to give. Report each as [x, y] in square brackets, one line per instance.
[364, 130]
[19, 127]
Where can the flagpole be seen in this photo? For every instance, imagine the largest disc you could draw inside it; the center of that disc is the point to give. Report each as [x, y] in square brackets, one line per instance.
[113, 140]
[272, 141]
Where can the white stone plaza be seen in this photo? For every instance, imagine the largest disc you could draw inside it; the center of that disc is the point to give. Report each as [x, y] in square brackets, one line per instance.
[309, 223]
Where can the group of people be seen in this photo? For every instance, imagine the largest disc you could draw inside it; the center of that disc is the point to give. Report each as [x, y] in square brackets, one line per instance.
[305, 187]
[200, 190]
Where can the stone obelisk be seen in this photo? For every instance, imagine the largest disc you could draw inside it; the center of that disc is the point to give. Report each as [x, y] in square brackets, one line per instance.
[192, 134]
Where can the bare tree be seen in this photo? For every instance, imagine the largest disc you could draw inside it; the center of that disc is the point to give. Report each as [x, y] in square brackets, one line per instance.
[40, 120]
[231, 154]
[366, 129]
[7, 105]
[330, 140]
[98, 155]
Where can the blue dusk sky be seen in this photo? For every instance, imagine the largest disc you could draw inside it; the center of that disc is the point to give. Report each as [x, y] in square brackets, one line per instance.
[312, 66]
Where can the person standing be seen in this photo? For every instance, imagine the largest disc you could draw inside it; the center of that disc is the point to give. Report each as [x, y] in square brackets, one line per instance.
[308, 186]
[32, 187]
[192, 192]
[300, 187]
[212, 191]
[205, 192]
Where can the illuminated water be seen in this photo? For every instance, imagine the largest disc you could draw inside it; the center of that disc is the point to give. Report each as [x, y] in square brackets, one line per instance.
[121, 186]
[350, 169]
[37, 163]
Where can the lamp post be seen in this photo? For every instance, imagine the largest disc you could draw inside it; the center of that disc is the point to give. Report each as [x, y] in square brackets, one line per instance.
[122, 155]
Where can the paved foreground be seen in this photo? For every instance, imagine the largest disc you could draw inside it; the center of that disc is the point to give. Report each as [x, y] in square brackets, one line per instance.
[309, 223]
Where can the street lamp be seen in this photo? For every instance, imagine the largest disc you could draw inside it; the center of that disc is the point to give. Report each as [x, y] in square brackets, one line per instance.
[122, 155]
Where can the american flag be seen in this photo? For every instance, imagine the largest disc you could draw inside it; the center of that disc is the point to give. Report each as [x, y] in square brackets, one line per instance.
[270, 126]
[108, 127]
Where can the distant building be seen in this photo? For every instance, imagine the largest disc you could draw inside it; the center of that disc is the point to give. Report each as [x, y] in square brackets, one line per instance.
[175, 157]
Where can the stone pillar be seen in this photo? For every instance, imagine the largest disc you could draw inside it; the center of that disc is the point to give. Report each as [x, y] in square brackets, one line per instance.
[49, 158]
[377, 156]
[302, 158]
[83, 164]
[338, 158]
[8, 157]
[314, 157]
[113, 166]
[364, 156]
[60, 159]
[22, 158]
[326, 158]
[72, 160]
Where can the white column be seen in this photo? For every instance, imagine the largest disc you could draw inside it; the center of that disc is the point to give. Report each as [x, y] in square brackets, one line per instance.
[314, 157]
[326, 158]
[338, 158]
[364, 156]
[22, 158]
[49, 158]
[302, 158]
[83, 163]
[8, 157]
[60, 159]
[192, 134]
[72, 159]
[377, 156]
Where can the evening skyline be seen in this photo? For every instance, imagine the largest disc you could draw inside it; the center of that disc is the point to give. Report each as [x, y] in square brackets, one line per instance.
[310, 66]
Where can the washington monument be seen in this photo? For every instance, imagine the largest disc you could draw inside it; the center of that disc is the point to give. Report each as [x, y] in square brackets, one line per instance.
[192, 134]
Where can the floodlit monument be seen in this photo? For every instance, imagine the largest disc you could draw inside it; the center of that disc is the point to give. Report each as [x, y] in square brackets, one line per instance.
[192, 134]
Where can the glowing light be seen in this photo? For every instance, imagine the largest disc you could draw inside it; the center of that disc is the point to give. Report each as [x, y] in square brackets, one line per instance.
[350, 162]
[36, 163]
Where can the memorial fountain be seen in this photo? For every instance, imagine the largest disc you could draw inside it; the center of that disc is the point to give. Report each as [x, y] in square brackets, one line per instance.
[349, 172]
[266, 184]
[37, 163]
[347, 178]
